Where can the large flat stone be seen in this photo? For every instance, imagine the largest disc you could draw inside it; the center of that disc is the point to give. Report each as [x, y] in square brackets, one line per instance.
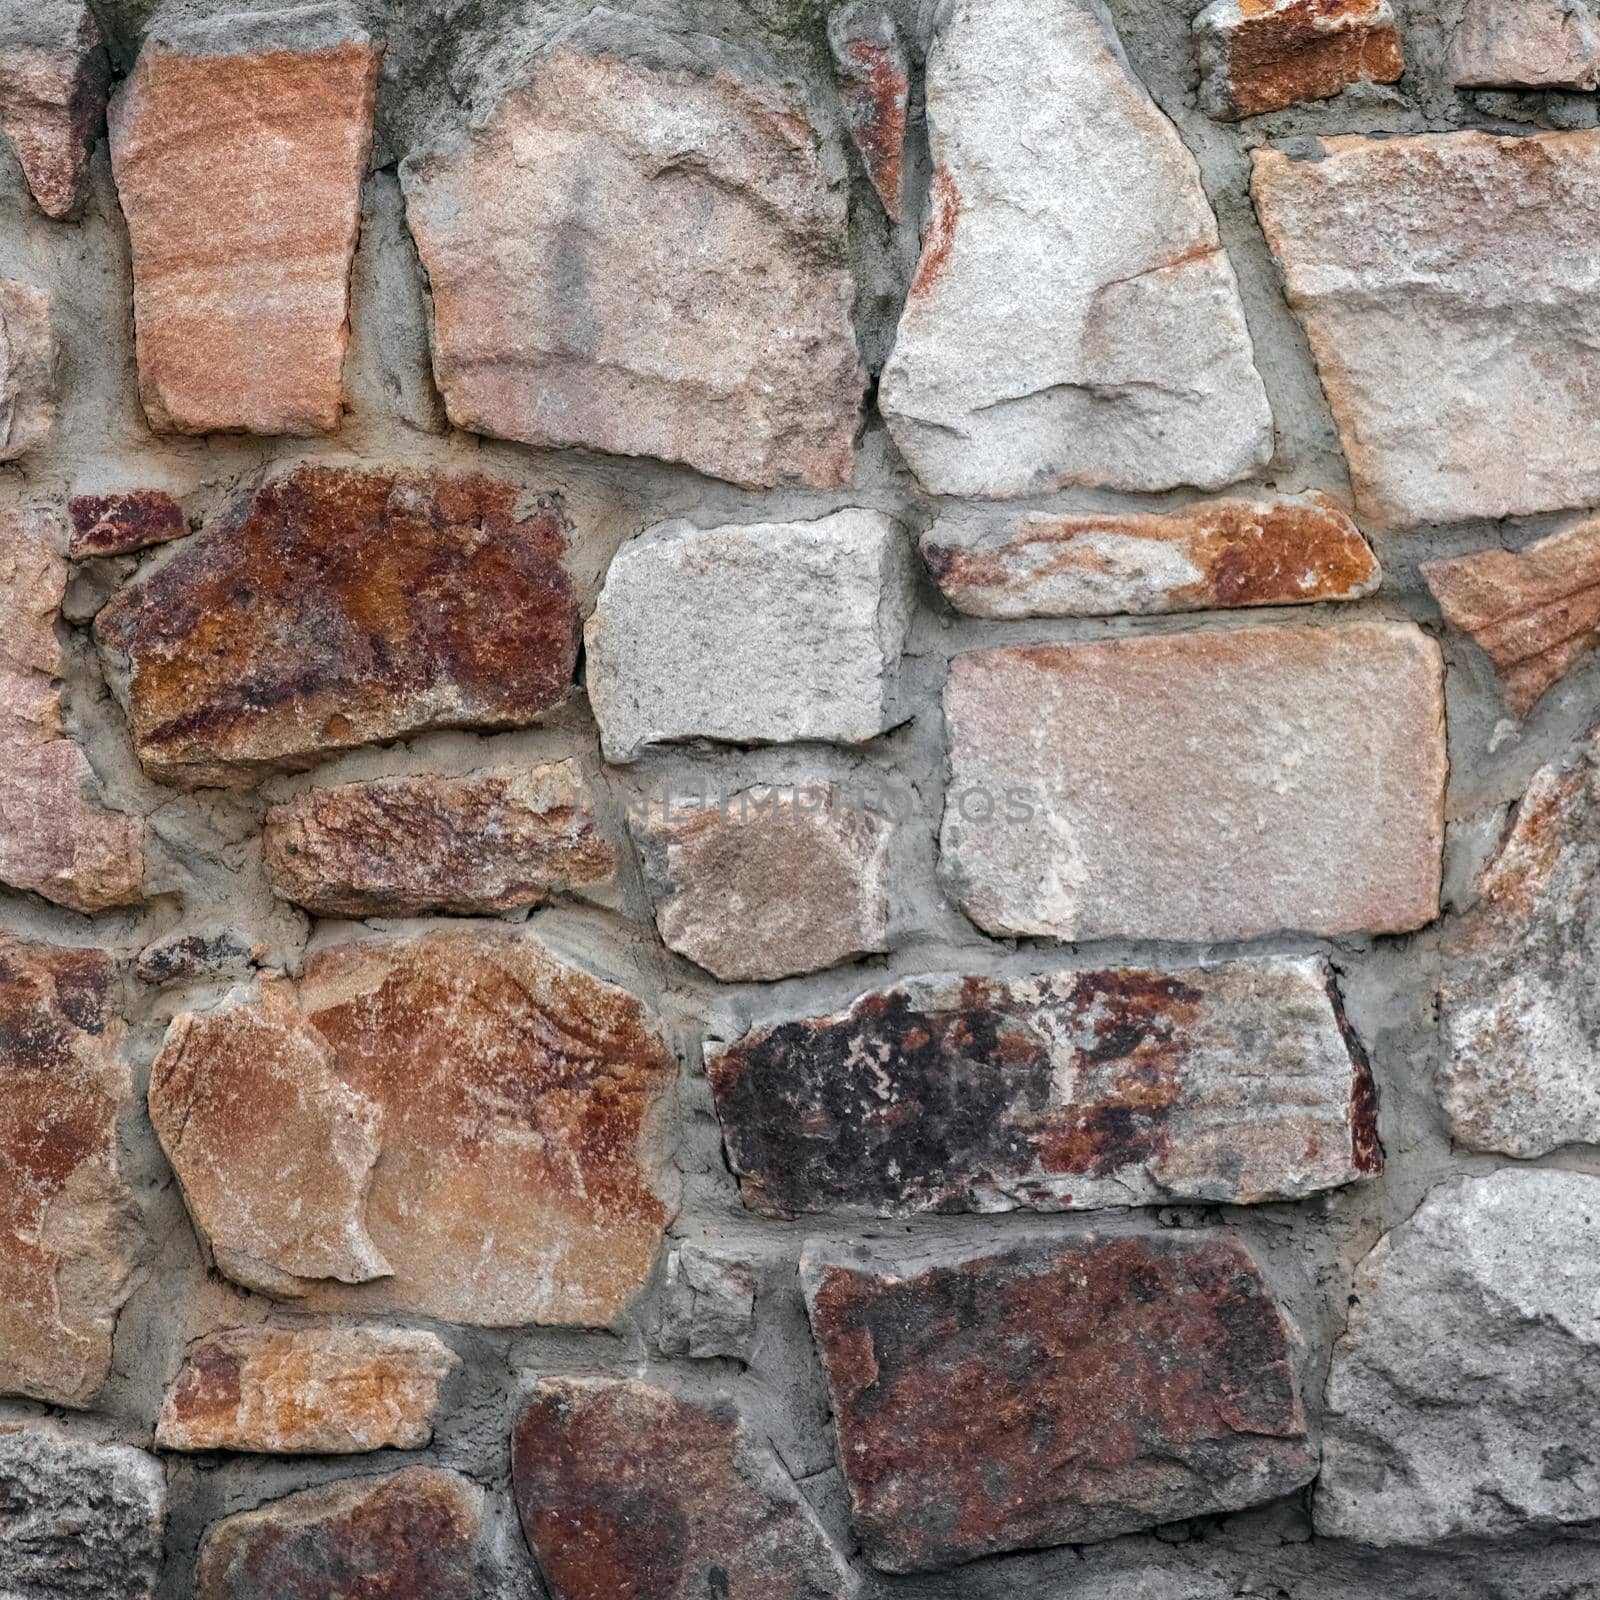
[1067, 1090]
[1054, 1393]
[53, 79]
[1198, 786]
[1526, 44]
[647, 260]
[753, 633]
[1464, 1394]
[464, 1124]
[1074, 318]
[238, 148]
[627, 1489]
[337, 607]
[27, 368]
[1447, 283]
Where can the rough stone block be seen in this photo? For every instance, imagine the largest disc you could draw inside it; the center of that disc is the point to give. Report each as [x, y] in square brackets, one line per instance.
[27, 368]
[117, 524]
[53, 80]
[874, 79]
[708, 1307]
[1526, 44]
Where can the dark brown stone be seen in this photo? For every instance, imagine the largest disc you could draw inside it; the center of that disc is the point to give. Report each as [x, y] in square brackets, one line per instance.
[1058, 1392]
[114, 524]
[338, 607]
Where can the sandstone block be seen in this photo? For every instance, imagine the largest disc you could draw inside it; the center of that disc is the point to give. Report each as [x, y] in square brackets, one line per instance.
[1463, 1398]
[1054, 1393]
[1068, 1090]
[306, 1391]
[27, 368]
[1263, 55]
[1167, 787]
[78, 1521]
[464, 1116]
[117, 524]
[1127, 361]
[339, 607]
[647, 261]
[754, 633]
[411, 1535]
[53, 79]
[1463, 261]
[768, 883]
[627, 1489]
[238, 149]
[1525, 44]
[1214, 555]
[874, 78]
[709, 1305]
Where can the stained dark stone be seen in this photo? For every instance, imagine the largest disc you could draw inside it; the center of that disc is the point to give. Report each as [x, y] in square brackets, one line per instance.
[115, 524]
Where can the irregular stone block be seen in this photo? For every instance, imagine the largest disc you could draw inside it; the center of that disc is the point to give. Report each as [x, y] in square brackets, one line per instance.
[1525, 44]
[1068, 1090]
[306, 1391]
[1263, 55]
[411, 1535]
[709, 1305]
[753, 633]
[627, 1489]
[1535, 614]
[1054, 1393]
[338, 607]
[395, 847]
[1293, 550]
[78, 1521]
[66, 1216]
[1465, 262]
[238, 148]
[768, 883]
[117, 524]
[648, 261]
[875, 85]
[56, 838]
[465, 1114]
[185, 957]
[1463, 1398]
[1127, 362]
[1520, 1070]
[1198, 786]
[27, 368]
[53, 80]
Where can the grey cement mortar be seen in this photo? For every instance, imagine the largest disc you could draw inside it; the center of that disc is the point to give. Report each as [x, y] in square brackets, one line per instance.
[445, 61]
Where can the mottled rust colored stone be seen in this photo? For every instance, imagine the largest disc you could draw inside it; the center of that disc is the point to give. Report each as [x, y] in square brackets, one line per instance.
[409, 1536]
[629, 1492]
[114, 524]
[334, 608]
[875, 85]
[1057, 1392]
[182, 957]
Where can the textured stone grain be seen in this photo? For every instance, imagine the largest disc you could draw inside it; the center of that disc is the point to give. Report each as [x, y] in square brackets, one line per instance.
[874, 80]
[1526, 44]
[53, 79]
[708, 1305]
[27, 368]
[117, 524]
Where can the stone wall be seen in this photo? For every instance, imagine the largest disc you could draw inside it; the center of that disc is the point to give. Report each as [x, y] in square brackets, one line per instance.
[797, 800]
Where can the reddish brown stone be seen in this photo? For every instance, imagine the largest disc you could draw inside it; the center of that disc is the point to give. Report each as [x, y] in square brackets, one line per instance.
[114, 524]
[1057, 1392]
[409, 1536]
[334, 608]
[875, 84]
[65, 1245]
[629, 1492]
[395, 847]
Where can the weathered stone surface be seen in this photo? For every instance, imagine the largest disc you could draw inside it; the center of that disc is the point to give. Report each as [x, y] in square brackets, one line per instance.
[238, 152]
[647, 261]
[115, 524]
[78, 1521]
[1127, 362]
[1526, 44]
[336, 607]
[625, 1489]
[1535, 614]
[411, 1535]
[27, 368]
[1463, 1398]
[1198, 786]
[1263, 55]
[1520, 1070]
[1068, 1090]
[395, 847]
[306, 1391]
[875, 85]
[183, 957]
[708, 1309]
[1214, 555]
[465, 1115]
[56, 838]
[65, 1212]
[1053, 1393]
[1465, 262]
[767, 883]
[752, 633]
[53, 79]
